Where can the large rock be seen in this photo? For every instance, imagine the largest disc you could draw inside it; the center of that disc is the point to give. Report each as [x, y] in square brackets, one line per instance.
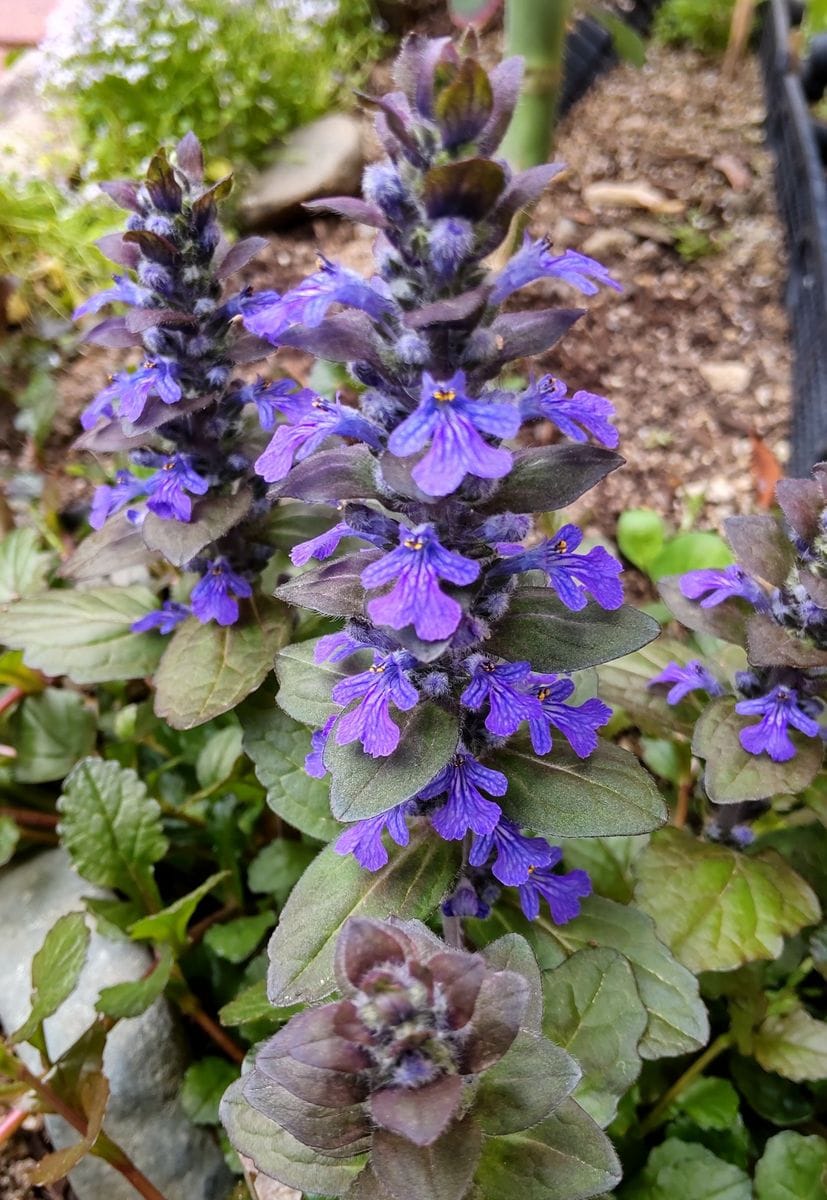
[324, 158]
[144, 1058]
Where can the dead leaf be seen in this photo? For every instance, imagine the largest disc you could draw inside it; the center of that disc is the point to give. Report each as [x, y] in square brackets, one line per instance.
[766, 471]
[640, 194]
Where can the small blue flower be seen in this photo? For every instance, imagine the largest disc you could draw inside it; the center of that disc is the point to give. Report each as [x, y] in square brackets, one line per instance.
[267, 397]
[321, 547]
[517, 854]
[562, 893]
[314, 761]
[418, 565]
[369, 722]
[311, 421]
[215, 597]
[691, 678]
[577, 722]
[333, 647]
[534, 260]
[364, 838]
[170, 488]
[466, 808]
[577, 416]
[165, 619]
[124, 292]
[131, 391]
[453, 423]
[714, 585]
[503, 687]
[109, 498]
[573, 576]
[778, 710]
[268, 314]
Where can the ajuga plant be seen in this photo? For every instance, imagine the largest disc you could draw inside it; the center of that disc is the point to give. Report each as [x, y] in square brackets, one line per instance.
[458, 743]
[762, 730]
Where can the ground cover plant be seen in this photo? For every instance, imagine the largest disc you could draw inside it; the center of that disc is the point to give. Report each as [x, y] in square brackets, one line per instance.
[493, 967]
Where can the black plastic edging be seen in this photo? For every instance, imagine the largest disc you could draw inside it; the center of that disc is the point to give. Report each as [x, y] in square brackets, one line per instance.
[589, 50]
[802, 197]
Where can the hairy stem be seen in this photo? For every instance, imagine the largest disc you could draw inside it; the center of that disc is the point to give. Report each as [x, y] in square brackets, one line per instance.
[692, 1072]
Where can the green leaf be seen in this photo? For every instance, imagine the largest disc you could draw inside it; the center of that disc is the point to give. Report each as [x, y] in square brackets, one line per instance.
[770, 1095]
[56, 968]
[216, 760]
[169, 926]
[593, 1009]
[235, 941]
[51, 732]
[278, 746]
[134, 997]
[113, 917]
[564, 1156]
[544, 478]
[23, 566]
[93, 1095]
[362, 786]
[609, 862]
[677, 1018]
[538, 627]
[85, 635]
[212, 517]
[717, 908]
[566, 796]
[209, 669]
[641, 534]
[334, 888]
[278, 867]
[277, 1154]
[804, 847]
[689, 1171]
[442, 1170]
[628, 44]
[345, 473]
[526, 1085]
[204, 1083]
[794, 1045]
[732, 775]
[252, 1004]
[689, 552]
[305, 685]
[111, 828]
[9, 837]
[335, 588]
[793, 1167]
[709, 1102]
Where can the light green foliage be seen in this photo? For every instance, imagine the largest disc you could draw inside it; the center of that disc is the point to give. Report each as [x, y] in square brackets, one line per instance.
[204, 1084]
[689, 1171]
[55, 971]
[646, 540]
[793, 1167]
[241, 74]
[703, 24]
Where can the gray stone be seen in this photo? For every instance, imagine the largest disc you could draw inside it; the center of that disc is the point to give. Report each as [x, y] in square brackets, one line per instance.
[144, 1058]
[324, 158]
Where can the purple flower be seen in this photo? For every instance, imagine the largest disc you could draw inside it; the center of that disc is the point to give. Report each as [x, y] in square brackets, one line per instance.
[311, 420]
[321, 547]
[503, 687]
[534, 260]
[132, 390]
[364, 838]
[562, 893]
[576, 416]
[170, 486]
[573, 576]
[450, 243]
[215, 597]
[517, 855]
[742, 835]
[124, 292]
[466, 807]
[577, 722]
[165, 619]
[109, 498]
[369, 722]
[314, 761]
[691, 678]
[453, 423]
[713, 585]
[779, 709]
[268, 314]
[267, 397]
[418, 564]
[333, 647]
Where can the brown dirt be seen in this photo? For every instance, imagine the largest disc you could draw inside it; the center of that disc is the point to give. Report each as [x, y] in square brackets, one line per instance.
[677, 126]
[18, 1156]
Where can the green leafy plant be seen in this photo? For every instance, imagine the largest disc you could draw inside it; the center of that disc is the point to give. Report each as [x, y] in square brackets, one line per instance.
[703, 24]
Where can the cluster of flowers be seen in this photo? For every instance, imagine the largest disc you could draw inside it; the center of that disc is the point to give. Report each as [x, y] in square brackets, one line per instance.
[388, 1084]
[180, 413]
[445, 557]
[777, 598]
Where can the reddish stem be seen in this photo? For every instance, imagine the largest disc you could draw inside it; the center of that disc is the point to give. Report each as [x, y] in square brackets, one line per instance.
[11, 1123]
[29, 816]
[11, 697]
[189, 1005]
